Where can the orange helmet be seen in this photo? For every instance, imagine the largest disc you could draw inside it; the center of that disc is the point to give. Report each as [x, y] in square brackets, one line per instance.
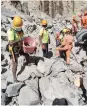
[44, 22]
[17, 22]
[85, 12]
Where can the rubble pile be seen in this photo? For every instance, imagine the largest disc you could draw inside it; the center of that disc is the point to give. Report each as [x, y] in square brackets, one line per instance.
[44, 79]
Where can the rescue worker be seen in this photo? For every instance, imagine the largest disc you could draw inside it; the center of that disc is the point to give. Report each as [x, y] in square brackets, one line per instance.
[44, 38]
[84, 20]
[74, 25]
[67, 45]
[15, 37]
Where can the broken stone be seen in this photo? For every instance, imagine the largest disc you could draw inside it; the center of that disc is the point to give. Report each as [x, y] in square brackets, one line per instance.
[31, 97]
[45, 67]
[9, 79]
[3, 70]
[75, 67]
[3, 84]
[26, 72]
[2, 98]
[58, 66]
[13, 89]
[58, 88]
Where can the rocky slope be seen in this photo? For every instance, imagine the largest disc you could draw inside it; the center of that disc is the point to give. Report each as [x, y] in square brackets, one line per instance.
[51, 8]
[43, 79]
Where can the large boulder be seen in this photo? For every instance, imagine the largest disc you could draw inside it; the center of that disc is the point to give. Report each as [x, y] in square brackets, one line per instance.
[13, 89]
[59, 87]
[28, 96]
[44, 67]
[58, 66]
[75, 66]
[25, 73]
[33, 83]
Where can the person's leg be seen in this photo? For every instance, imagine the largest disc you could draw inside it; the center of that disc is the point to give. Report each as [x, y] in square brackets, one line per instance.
[14, 68]
[59, 49]
[46, 49]
[68, 56]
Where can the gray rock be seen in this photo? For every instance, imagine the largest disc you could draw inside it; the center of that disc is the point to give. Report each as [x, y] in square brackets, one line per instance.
[14, 101]
[9, 79]
[33, 84]
[58, 88]
[13, 89]
[3, 84]
[5, 75]
[70, 75]
[4, 63]
[75, 67]
[3, 47]
[2, 57]
[28, 96]
[27, 72]
[3, 70]
[85, 81]
[58, 66]
[2, 98]
[4, 36]
[45, 67]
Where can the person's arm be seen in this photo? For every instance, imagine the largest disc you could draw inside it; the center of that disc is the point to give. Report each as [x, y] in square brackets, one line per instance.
[64, 41]
[12, 42]
[41, 36]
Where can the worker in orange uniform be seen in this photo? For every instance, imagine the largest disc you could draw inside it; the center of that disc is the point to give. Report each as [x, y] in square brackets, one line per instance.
[67, 45]
[80, 18]
[84, 20]
[74, 25]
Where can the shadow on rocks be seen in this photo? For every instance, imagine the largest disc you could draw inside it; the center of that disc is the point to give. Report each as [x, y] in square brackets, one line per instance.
[32, 59]
[84, 93]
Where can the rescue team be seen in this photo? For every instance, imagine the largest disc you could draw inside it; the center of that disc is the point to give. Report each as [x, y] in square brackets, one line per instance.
[64, 40]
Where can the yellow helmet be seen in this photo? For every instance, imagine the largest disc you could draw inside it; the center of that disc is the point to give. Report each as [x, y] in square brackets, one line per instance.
[44, 22]
[17, 22]
[64, 30]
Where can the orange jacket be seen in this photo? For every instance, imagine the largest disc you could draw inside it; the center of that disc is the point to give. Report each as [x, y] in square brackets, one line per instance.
[84, 21]
[68, 41]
